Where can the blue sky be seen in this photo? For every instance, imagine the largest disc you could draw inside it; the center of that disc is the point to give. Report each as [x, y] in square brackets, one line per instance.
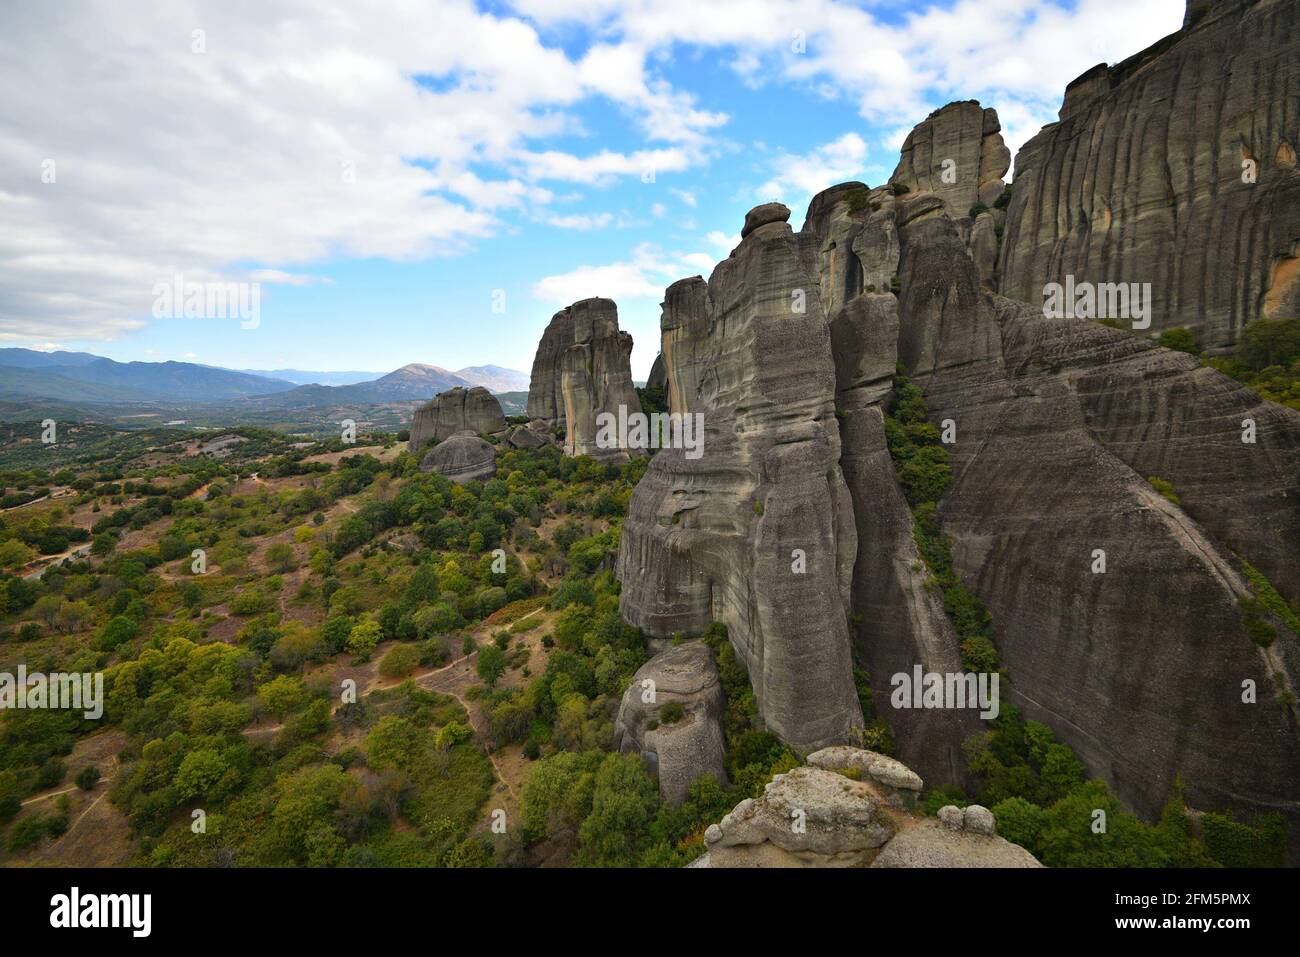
[491, 148]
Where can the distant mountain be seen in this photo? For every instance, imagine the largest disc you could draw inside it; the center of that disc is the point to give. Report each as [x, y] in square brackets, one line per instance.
[411, 382]
[31, 359]
[36, 384]
[495, 378]
[80, 377]
[48, 375]
[305, 377]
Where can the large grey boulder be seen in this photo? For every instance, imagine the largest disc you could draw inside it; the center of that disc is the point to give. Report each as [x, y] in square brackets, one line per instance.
[1145, 177]
[901, 785]
[932, 843]
[461, 458]
[456, 410]
[531, 436]
[582, 369]
[681, 751]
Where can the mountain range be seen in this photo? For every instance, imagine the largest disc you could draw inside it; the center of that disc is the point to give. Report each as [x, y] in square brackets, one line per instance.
[85, 378]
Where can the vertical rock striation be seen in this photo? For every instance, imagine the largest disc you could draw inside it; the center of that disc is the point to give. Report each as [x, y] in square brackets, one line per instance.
[583, 368]
[719, 538]
[1138, 663]
[1142, 180]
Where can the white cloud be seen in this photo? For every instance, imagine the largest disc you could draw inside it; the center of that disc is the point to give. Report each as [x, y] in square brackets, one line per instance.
[581, 222]
[299, 135]
[801, 176]
[645, 274]
[723, 242]
[1012, 54]
[283, 278]
[685, 196]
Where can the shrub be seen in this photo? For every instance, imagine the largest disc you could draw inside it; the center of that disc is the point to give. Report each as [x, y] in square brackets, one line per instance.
[1165, 488]
[87, 777]
[671, 712]
[1180, 339]
[399, 662]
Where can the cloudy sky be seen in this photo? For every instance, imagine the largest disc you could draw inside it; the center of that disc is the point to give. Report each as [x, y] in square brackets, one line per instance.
[430, 181]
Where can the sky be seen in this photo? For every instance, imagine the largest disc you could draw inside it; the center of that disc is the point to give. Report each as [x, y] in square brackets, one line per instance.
[430, 182]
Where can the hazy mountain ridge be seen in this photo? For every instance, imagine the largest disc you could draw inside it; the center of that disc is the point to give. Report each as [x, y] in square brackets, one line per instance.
[80, 377]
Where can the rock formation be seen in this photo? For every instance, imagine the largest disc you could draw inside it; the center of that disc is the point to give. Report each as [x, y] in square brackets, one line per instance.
[758, 532]
[1176, 168]
[833, 816]
[658, 374]
[682, 750]
[456, 410]
[1059, 424]
[531, 436]
[958, 155]
[583, 368]
[462, 457]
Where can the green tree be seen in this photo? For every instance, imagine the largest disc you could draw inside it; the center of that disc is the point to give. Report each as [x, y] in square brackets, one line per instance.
[491, 664]
[364, 638]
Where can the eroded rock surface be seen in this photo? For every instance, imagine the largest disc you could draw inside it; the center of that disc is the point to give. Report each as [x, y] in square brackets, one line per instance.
[1058, 426]
[680, 751]
[582, 369]
[1141, 181]
[456, 410]
[461, 457]
[932, 844]
[715, 538]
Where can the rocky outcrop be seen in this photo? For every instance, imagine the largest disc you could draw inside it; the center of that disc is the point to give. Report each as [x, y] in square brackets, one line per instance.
[689, 746]
[1174, 168]
[805, 818]
[456, 410]
[531, 436]
[899, 783]
[461, 458]
[582, 369]
[658, 374]
[934, 843]
[757, 532]
[819, 817]
[957, 154]
[897, 619]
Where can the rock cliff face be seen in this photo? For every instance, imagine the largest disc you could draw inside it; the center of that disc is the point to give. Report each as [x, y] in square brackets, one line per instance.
[681, 750]
[1144, 180]
[1139, 664]
[581, 369]
[758, 532]
[456, 410]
